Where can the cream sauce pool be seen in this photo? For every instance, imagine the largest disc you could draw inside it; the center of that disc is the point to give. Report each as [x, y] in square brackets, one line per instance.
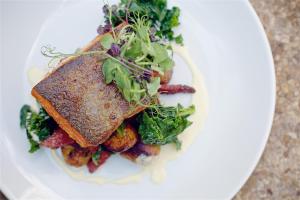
[155, 166]
[35, 75]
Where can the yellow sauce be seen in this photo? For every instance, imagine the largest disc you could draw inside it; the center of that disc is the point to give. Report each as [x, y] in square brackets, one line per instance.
[156, 166]
[82, 176]
[35, 75]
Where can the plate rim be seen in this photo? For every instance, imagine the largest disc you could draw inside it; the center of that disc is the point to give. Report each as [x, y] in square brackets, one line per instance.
[271, 115]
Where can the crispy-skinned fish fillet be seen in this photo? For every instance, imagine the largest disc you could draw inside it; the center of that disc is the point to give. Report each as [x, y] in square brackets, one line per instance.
[78, 99]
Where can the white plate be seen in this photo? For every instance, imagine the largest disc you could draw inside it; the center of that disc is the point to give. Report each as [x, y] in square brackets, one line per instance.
[228, 44]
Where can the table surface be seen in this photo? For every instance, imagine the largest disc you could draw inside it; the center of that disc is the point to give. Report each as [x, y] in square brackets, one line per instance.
[277, 176]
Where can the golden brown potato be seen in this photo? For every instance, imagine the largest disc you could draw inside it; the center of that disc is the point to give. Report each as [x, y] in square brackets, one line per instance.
[141, 148]
[76, 156]
[120, 142]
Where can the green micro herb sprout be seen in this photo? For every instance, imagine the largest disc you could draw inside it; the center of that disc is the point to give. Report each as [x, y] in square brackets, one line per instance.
[133, 78]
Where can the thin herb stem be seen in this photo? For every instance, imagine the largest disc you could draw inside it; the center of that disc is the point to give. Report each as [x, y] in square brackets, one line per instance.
[50, 53]
[123, 33]
[124, 64]
[137, 66]
[110, 21]
[127, 10]
[138, 91]
[144, 63]
[140, 58]
[131, 37]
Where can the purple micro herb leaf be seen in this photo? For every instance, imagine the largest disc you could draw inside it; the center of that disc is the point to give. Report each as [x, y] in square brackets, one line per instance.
[147, 76]
[103, 29]
[105, 9]
[114, 50]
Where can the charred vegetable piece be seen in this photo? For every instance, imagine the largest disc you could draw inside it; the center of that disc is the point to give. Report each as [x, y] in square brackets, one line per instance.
[100, 159]
[58, 139]
[141, 148]
[75, 155]
[131, 154]
[123, 139]
[148, 149]
[174, 89]
[165, 78]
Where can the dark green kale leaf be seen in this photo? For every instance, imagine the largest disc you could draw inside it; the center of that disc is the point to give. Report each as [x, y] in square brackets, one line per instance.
[39, 126]
[164, 20]
[161, 125]
[23, 113]
[34, 145]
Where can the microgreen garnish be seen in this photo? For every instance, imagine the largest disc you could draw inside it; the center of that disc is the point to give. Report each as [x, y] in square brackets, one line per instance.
[130, 57]
[56, 56]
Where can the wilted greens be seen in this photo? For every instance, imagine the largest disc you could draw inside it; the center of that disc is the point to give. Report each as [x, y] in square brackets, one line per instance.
[38, 126]
[161, 125]
[161, 19]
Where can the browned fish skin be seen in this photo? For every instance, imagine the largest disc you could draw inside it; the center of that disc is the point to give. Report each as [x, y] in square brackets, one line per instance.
[78, 93]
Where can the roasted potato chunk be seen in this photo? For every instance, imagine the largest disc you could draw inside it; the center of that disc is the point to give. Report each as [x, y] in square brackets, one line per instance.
[75, 155]
[120, 142]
